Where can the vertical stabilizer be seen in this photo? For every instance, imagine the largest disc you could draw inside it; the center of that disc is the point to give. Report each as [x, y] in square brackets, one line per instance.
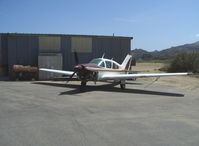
[127, 62]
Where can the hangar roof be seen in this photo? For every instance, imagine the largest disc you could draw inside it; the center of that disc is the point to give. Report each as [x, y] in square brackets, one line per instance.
[68, 35]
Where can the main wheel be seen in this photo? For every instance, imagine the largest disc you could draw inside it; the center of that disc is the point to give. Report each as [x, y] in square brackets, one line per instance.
[122, 86]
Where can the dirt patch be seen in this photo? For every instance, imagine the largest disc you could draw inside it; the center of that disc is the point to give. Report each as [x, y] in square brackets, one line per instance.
[187, 83]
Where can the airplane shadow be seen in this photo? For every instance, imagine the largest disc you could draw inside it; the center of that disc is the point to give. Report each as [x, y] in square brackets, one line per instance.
[127, 83]
[107, 88]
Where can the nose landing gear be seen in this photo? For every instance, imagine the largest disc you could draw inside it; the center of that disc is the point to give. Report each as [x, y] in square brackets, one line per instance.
[83, 85]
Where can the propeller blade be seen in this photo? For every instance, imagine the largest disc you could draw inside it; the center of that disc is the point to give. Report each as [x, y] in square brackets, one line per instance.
[76, 57]
[71, 77]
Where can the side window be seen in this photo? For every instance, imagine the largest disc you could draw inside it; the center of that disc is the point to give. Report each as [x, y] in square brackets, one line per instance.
[115, 66]
[108, 64]
[102, 64]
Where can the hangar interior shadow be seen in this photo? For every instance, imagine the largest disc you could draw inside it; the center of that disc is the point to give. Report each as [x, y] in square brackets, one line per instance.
[111, 87]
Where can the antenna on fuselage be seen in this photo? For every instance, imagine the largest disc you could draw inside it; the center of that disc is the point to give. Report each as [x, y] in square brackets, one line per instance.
[103, 55]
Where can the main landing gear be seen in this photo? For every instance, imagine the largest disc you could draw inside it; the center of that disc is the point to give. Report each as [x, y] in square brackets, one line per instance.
[122, 84]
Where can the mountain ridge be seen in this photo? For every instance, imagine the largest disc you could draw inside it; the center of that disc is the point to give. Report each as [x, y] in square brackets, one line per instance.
[141, 54]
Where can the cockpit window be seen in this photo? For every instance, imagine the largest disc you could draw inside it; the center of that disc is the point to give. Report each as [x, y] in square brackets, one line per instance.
[95, 61]
[108, 64]
[102, 64]
[115, 66]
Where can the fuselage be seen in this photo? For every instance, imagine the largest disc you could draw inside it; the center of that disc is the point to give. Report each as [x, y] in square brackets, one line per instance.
[96, 68]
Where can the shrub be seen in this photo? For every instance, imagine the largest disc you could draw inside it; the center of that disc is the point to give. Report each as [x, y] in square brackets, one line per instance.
[184, 62]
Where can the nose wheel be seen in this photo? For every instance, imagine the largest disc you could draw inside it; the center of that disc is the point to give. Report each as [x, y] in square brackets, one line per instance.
[83, 85]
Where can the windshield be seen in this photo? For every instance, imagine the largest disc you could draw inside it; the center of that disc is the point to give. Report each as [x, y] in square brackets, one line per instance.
[95, 61]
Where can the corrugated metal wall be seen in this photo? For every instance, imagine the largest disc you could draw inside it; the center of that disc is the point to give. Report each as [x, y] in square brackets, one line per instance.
[68, 54]
[81, 44]
[1, 60]
[50, 55]
[3, 56]
[22, 50]
[66, 51]
[125, 48]
[4, 46]
[49, 44]
[52, 60]
[112, 47]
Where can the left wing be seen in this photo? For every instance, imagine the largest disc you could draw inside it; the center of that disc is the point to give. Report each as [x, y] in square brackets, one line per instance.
[68, 73]
[130, 76]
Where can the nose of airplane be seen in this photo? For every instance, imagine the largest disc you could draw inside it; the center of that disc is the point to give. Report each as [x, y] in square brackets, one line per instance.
[78, 67]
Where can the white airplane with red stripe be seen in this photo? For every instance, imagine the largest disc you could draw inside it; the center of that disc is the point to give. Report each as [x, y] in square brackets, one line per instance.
[102, 69]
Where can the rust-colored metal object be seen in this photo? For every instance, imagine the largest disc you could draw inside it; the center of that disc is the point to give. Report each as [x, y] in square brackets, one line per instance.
[21, 72]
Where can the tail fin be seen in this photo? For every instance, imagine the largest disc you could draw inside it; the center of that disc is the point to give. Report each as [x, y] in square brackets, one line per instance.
[127, 62]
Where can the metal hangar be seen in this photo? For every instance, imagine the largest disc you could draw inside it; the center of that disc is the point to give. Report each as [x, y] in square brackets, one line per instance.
[57, 50]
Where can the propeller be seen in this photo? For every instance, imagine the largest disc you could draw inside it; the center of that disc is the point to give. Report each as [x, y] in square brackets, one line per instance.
[76, 62]
[71, 77]
[76, 57]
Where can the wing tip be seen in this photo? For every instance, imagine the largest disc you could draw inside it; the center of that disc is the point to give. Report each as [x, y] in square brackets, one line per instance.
[189, 73]
[42, 68]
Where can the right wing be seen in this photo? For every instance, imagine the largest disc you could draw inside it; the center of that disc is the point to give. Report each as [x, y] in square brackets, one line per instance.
[68, 73]
[130, 76]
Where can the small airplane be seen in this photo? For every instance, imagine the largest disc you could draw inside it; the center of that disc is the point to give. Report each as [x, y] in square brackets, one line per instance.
[102, 69]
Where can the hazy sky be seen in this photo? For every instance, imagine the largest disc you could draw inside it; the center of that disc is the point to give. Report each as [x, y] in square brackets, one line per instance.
[154, 24]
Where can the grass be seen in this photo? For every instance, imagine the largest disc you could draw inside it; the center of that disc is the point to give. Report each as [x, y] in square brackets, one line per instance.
[196, 75]
[153, 61]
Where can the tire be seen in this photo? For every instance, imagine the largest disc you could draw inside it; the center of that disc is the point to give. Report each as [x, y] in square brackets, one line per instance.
[83, 85]
[122, 86]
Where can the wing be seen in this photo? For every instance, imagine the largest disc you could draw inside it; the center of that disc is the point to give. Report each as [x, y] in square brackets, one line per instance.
[130, 76]
[69, 73]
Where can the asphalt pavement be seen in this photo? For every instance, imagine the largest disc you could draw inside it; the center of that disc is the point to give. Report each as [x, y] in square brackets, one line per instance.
[56, 114]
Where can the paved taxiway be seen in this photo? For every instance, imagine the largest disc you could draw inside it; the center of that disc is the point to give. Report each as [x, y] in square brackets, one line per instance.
[51, 113]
